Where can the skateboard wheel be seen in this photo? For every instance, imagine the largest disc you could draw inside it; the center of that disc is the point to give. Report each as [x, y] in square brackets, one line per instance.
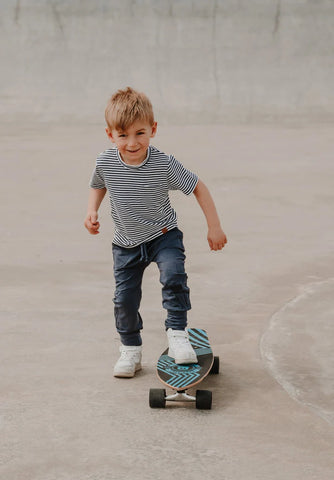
[203, 399]
[157, 398]
[215, 366]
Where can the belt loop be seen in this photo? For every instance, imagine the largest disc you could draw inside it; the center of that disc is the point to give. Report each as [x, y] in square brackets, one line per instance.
[143, 253]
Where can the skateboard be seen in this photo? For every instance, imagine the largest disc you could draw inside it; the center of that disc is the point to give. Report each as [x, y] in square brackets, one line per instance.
[181, 378]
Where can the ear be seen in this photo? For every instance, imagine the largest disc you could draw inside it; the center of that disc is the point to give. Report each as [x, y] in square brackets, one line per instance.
[154, 129]
[109, 134]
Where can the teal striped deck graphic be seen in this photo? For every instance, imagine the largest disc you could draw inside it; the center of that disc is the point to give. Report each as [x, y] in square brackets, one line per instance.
[198, 338]
[180, 375]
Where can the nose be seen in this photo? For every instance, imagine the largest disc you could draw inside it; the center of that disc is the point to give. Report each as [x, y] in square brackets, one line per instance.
[132, 141]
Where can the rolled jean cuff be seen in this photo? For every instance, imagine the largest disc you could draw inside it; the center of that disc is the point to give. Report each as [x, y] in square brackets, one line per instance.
[176, 320]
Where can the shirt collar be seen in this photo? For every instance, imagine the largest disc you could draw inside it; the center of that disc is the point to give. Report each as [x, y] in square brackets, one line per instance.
[134, 166]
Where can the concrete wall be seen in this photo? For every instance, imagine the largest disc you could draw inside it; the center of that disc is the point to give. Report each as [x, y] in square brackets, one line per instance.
[199, 60]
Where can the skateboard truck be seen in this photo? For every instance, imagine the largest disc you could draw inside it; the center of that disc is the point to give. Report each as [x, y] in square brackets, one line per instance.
[202, 400]
[181, 396]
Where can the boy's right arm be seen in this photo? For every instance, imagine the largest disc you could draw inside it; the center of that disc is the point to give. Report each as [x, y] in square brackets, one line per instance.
[96, 195]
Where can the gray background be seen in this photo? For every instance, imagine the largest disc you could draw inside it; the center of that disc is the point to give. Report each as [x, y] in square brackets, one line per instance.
[199, 61]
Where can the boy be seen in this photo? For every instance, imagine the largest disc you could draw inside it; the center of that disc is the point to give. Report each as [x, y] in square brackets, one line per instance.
[138, 177]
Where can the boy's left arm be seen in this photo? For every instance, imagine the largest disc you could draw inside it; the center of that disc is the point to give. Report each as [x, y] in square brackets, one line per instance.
[216, 237]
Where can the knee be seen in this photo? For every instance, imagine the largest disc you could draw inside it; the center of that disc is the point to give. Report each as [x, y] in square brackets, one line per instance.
[176, 282]
[175, 293]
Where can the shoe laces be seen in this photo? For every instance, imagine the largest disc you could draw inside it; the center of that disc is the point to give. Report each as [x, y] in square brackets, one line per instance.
[180, 338]
[128, 354]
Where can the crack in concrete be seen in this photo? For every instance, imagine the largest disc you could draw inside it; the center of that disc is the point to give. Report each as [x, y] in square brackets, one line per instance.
[57, 18]
[277, 19]
[17, 12]
[214, 48]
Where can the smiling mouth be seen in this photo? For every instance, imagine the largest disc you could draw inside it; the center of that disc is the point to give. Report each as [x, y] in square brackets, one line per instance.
[134, 151]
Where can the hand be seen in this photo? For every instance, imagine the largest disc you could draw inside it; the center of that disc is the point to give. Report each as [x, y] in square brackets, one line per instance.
[91, 223]
[216, 238]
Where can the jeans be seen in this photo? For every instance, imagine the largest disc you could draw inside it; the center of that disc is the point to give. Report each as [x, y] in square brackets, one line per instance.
[167, 251]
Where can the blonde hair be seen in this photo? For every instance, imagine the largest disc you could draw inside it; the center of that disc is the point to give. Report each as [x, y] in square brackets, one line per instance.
[127, 106]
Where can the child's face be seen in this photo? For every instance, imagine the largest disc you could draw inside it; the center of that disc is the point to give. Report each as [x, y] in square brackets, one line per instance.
[133, 142]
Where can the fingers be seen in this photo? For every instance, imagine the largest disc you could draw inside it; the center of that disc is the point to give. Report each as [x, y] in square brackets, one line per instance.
[217, 245]
[94, 229]
[92, 224]
[215, 248]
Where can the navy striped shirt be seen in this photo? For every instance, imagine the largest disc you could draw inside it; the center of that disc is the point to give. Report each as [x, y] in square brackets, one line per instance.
[139, 200]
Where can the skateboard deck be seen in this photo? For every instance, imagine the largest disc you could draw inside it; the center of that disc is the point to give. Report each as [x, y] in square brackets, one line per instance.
[180, 378]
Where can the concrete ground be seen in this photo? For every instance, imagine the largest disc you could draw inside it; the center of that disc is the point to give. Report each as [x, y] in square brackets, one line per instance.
[266, 302]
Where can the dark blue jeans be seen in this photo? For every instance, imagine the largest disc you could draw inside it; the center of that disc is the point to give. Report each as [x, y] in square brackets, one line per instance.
[167, 251]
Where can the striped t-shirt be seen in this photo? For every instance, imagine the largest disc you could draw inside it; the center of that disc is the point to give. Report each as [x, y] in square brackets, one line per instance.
[139, 200]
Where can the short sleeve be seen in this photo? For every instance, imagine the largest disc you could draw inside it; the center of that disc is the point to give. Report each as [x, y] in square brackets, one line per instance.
[97, 180]
[179, 178]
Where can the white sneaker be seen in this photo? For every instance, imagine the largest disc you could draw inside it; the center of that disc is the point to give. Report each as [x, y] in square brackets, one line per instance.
[180, 347]
[129, 362]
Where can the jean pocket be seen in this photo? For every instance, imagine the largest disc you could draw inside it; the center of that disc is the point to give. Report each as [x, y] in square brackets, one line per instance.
[125, 257]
